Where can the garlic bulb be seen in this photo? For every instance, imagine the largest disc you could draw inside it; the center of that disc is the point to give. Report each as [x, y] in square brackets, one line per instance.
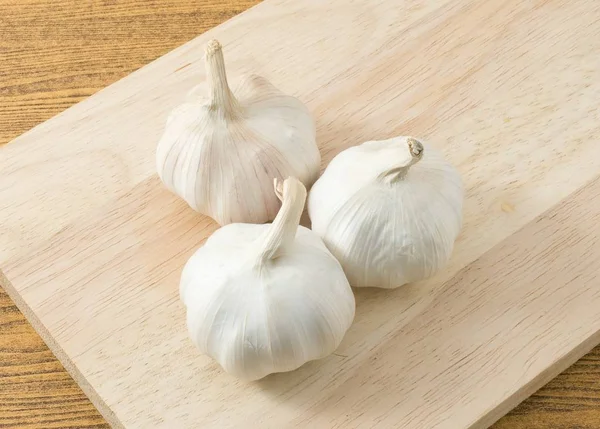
[221, 153]
[389, 211]
[267, 298]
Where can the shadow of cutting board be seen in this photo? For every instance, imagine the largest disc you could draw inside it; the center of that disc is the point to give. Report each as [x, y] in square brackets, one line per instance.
[91, 244]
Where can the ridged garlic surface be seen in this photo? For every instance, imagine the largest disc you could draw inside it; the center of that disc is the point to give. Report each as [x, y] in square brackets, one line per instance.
[267, 298]
[221, 149]
[389, 211]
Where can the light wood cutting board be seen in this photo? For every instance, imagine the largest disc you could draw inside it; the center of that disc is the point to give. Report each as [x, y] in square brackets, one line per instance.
[92, 245]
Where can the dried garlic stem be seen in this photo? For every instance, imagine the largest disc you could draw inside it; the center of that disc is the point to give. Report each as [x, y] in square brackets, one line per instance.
[395, 174]
[282, 233]
[222, 99]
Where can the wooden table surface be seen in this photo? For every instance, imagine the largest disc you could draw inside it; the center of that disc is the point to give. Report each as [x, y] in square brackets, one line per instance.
[55, 53]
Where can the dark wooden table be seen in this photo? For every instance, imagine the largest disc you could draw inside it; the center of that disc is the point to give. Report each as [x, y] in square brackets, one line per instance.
[54, 53]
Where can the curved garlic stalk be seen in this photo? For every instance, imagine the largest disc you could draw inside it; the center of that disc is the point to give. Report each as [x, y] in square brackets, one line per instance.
[282, 233]
[394, 174]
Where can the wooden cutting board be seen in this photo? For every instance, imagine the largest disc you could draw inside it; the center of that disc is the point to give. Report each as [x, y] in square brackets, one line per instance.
[91, 244]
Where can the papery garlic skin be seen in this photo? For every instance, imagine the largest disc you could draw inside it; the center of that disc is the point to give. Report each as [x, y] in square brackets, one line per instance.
[262, 299]
[389, 211]
[221, 152]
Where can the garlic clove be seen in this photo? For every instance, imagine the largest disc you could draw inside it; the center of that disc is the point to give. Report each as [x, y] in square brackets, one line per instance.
[220, 152]
[389, 211]
[267, 298]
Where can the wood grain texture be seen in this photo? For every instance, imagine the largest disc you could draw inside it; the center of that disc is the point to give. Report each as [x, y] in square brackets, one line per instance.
[445, 105]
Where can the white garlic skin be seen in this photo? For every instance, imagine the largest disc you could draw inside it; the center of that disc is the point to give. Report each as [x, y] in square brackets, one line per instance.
[389, 215]
[257, 315]
[221, 151]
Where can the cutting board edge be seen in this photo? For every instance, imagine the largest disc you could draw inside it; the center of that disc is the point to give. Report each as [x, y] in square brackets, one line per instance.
[63, 358]
[543, 378]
